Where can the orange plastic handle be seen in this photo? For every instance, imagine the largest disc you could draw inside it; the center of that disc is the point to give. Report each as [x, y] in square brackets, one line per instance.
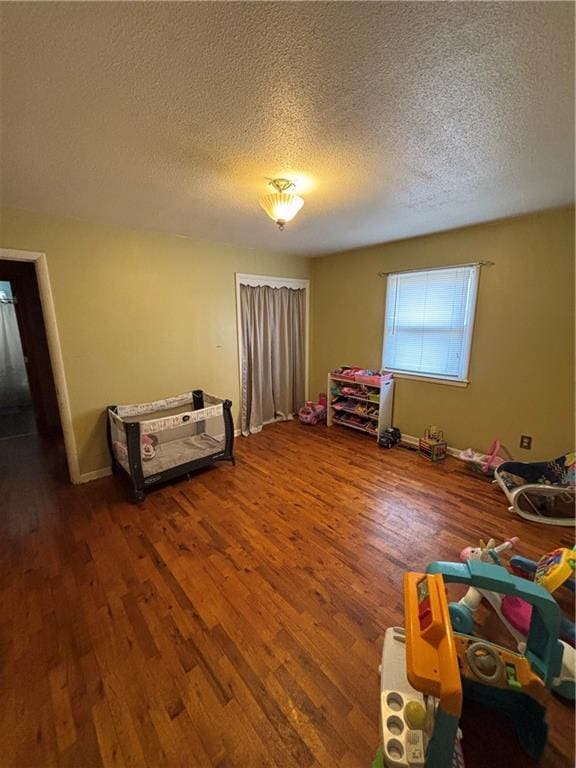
[431, 656]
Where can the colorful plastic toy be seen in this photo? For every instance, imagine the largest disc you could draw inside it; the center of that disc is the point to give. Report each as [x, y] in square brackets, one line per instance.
[428, 668]
[421, 691]
[514, 683]
[514, 612]
[433, 446]
[553, 570]
[463, 612]
[485, 463]
[313, 413]
[488, 553]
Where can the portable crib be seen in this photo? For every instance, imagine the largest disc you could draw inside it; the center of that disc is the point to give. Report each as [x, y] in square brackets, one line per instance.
[165, 439]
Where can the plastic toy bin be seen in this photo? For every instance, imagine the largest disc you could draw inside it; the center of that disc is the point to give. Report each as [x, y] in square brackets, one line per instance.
[161, 440]
[373, 381]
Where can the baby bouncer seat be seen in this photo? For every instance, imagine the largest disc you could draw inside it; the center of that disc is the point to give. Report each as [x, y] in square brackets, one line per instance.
[541, 491]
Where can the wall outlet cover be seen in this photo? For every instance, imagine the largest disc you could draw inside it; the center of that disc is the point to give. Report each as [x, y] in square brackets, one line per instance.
[525, 442]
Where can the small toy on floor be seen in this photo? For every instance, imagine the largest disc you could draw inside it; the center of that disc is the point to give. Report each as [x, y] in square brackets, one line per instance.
[485, 463]
[313, 413]
[433, 446]
[389, 437]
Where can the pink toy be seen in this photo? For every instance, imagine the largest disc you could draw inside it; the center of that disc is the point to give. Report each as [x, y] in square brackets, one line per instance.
[312, 413]
[120, 450]
[485, 463]
[492, 460]
[515, 611]
[518, 612]
[462, 613]
[148, 446]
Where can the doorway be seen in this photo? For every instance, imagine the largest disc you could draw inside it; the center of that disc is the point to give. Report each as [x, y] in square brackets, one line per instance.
[28, 401]
[16, 409]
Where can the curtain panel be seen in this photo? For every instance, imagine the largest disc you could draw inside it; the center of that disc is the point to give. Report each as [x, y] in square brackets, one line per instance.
[13, 378]
[273, 354]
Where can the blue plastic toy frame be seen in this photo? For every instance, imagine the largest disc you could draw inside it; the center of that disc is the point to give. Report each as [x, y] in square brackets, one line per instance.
[543, 650]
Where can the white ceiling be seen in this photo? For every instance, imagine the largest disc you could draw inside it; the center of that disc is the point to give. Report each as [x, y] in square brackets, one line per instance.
[397, 118]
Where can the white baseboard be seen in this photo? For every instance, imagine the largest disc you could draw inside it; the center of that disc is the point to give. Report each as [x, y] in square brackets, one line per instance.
[87, 477]
[412, 440]
[95, 475]
[238, 432]
[409, 439]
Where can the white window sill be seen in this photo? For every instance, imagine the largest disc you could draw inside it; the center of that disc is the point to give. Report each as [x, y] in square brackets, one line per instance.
[429, 379]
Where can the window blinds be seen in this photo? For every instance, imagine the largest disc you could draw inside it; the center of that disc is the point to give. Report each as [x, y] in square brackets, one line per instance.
[429, 320]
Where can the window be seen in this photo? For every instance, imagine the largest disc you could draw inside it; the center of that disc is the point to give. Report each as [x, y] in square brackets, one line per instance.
[429, 320]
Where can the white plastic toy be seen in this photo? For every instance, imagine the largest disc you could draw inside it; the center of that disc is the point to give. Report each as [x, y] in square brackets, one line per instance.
[462, 613]
[406, 715]
[403, 710]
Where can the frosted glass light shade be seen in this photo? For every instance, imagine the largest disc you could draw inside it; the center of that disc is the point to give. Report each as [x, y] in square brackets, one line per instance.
[281, 206]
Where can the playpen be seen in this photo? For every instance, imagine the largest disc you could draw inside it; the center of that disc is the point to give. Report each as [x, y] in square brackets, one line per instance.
[159, 441]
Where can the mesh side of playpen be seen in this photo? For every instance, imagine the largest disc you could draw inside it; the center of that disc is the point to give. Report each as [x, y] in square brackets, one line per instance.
[173, 433]
[118, 435]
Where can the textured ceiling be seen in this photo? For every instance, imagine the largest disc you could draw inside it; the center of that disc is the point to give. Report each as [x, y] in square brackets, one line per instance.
[396, 118]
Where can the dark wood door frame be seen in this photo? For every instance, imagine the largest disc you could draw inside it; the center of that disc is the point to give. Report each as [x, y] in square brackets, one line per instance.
[22, 277]
[49, 316]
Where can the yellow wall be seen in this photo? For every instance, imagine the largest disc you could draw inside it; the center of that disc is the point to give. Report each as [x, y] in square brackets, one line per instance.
[145, 315]
[141, 316]
[522, 362]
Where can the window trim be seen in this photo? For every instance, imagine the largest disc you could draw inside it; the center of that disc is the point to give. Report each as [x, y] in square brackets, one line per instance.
[432, 378]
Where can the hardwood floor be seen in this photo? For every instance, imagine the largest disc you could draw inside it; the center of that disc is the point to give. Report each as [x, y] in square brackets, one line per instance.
[235, 619]
[17, 422]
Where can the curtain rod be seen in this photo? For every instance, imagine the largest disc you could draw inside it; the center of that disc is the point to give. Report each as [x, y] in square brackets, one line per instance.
[433, 269]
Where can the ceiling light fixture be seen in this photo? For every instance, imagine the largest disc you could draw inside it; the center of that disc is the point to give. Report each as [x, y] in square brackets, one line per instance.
[281, 205]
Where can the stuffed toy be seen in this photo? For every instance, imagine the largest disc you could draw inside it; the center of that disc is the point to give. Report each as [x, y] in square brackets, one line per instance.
[148, 445]
[120, 451]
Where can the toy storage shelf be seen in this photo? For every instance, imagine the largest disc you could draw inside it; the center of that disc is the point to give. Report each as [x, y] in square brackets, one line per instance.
[357, 427]
[338, 409]
[365, 405]
[362, 399]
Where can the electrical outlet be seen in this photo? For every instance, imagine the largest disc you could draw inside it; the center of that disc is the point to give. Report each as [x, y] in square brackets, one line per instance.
[525, 442]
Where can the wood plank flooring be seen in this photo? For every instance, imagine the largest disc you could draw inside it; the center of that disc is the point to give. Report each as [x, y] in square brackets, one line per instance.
[235, 619]
[16, 422]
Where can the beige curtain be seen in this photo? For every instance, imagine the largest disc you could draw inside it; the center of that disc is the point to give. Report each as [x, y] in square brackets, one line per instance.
[273, 354]
[14, 390]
